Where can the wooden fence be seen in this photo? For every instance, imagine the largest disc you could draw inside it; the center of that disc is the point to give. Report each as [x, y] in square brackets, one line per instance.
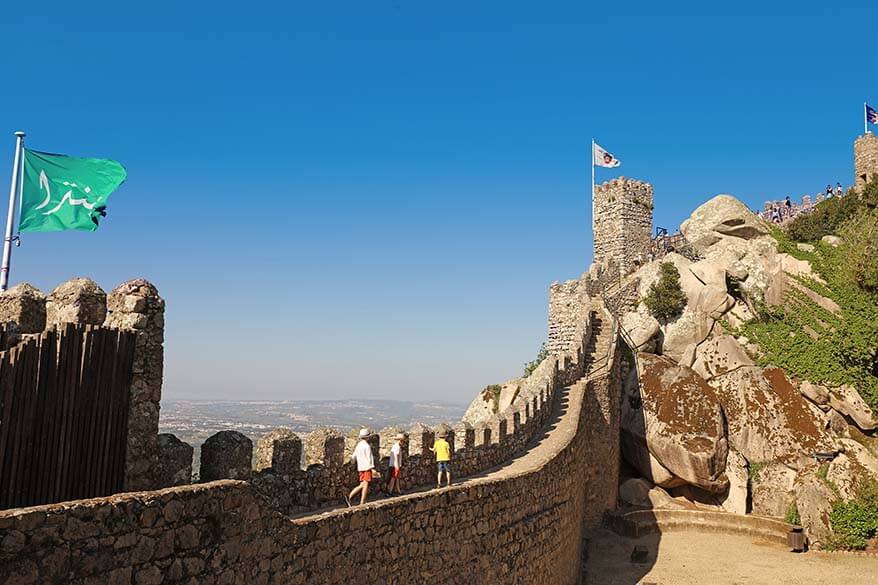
[64, 415]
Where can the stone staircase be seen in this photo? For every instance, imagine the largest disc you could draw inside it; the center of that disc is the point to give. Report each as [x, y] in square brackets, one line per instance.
[596, 360]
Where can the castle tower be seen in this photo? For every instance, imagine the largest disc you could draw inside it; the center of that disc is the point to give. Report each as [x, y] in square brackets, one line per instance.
[865, 159]
[622, 221]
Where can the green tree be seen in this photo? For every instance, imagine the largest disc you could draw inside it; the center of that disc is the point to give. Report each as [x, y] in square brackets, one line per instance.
[665, 299]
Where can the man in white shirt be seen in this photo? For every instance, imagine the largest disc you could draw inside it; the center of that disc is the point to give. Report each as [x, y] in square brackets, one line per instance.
[395, 464]
[365, 466]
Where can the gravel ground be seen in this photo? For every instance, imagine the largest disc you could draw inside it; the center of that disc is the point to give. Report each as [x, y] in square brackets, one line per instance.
[696, 558]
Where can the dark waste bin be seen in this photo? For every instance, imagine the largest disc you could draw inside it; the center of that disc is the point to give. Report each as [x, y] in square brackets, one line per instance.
[796, 539]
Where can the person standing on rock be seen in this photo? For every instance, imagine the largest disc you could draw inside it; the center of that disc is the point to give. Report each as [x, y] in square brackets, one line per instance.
[443, 458]
[395, 464]
[365, 466]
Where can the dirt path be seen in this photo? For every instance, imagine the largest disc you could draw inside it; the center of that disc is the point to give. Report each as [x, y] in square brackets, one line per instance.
[702, 558]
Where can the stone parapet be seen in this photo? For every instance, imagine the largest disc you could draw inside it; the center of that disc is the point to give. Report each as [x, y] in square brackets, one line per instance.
[136, 306]
[518, 524]
[175, 461]
[24, 306]
[79, 300]
[226, 455]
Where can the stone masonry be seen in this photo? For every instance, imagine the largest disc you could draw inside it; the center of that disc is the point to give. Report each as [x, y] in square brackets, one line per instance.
[622, 222]
[521, 523]
[136, 306]
[865, 159]
[568, 311]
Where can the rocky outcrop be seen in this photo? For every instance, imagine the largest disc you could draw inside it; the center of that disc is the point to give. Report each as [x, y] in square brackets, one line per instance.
[771, 488]
[847, 401]
[484, 407]
[720, 355]
[768, 419]
[722, 216]
[736, 470]
[672, 413]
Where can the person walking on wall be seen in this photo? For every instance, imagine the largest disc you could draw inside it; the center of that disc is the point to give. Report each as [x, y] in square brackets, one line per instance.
[838, 190]
[395, 465]
[828, 191]
[365, 467]
[443, 458]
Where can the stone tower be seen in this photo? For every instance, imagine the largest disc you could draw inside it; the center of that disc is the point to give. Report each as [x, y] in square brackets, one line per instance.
[622, 222]
[865, 159]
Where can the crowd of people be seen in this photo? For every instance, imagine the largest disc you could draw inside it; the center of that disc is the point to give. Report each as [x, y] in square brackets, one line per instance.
[781, 211]
[367, 471]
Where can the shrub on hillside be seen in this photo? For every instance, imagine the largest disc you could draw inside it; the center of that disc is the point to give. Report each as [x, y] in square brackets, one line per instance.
[856, 521]
[665, 299]
[830, 215]
[825, 219]
[529, 367]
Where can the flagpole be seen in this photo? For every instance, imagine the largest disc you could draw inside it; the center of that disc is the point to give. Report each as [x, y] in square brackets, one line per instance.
[592, 185]
[10, 216]
[865, 118]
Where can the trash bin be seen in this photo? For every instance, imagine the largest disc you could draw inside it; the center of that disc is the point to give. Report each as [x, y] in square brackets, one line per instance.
[796, 539]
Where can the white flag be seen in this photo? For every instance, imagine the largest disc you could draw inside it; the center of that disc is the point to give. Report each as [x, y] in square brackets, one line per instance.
[602, 158]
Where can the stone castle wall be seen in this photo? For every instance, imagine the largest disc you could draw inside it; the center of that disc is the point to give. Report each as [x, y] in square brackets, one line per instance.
[865, 159]
[524, 525]
[134, 305]
[568, 314]
[623, 222]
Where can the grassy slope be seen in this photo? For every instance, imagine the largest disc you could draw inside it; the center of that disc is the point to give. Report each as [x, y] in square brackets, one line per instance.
[845, 345]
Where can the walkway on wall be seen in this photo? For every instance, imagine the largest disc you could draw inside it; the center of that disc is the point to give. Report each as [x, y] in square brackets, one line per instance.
[558, 432]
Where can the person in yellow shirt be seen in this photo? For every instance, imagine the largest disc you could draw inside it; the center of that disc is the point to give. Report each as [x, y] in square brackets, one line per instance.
[443, 458]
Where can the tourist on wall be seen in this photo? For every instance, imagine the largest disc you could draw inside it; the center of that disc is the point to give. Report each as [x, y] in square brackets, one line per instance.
[365, 467]
[828, 191]
[775, 214]
[443, 458]
[838, 190]
[395, 464]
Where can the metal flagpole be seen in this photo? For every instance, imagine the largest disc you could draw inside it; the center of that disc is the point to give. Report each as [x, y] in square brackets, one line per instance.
[592, 185]
[10, 217]
[865, 118]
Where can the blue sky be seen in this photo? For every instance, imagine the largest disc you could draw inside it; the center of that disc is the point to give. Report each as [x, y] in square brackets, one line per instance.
[370, 199]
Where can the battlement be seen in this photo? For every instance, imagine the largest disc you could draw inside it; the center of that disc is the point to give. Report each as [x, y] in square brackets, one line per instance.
[622, 222]
[31, 320]
[298, 475]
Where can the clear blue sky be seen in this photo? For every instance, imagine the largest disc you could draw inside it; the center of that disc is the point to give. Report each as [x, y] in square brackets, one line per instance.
[370, 199]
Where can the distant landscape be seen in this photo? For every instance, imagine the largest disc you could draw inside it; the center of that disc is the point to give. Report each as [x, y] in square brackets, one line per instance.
[193, 421]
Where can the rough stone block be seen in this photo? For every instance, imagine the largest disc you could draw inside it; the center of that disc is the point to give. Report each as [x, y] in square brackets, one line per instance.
[324, 446]
[421, 439]
[175, 461]
[24, 305]
[280, 450]
[465, 431]
[226, 455]
[79, 300]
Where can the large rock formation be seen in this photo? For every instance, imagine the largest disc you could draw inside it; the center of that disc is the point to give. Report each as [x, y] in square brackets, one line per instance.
[672, 412]
[702, 420]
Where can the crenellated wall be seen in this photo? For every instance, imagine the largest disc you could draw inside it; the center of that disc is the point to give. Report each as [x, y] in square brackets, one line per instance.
[521, 523]
[568, 315]
[134, 305]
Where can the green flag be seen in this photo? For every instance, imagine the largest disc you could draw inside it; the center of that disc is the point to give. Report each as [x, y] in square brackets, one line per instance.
[65, 192]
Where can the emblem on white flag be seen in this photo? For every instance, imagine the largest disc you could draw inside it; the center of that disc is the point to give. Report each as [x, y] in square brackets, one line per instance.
[602, 158]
